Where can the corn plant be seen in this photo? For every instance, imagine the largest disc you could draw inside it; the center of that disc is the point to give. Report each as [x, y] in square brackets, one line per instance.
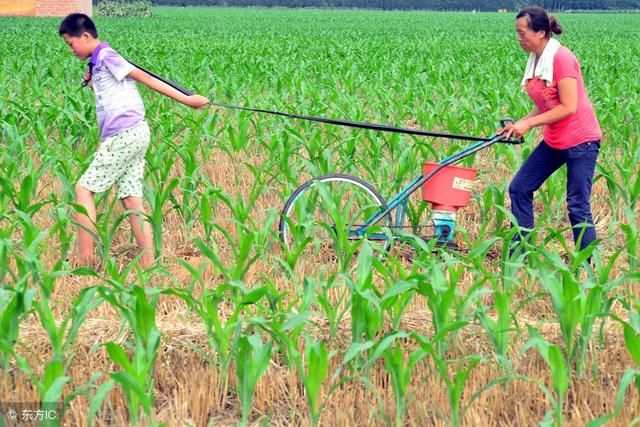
[560, 375]
[576, 304]
[49, 385]
[328, 213]
[632, 239]
[317, 359]
[454, 383]
[190, 184]
[17, 291]
[26, 198]
[157, 198]
[63, 227]
[366, 312]
[247, 242]
[399, 365]
[206, 217]
[138, 307]
[631, 375]
[223, 333]
[7, 246]
[15, 305]
[503, 286]
[62, 337]
[396, 299]
[252, 359]
[287, 328]
[443, 297]
[334, 310]
[105, 230]
[627, 173]
[27, 250]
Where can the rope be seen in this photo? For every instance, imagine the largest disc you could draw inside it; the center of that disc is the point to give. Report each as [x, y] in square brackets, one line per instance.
[338, 122]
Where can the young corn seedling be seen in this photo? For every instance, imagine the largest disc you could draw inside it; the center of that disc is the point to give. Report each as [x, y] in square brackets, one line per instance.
[399, 364]
[576, 304]
[189, 184]
[615, 186]
[503, 288]
[552, 195]
[15, 305]
[157, 197]
[560, 376]
[341, 215]
[8, 246]
[26, 198]
[396, 299]
[366, 312]
[627, 171]
[247, 241]
[252, 358]
[224, 332]
[206, 217]
[455, 382]
[63, 227]
[105, 231]
[244, 255]
[19, 167]
[50, 386]
[335, 308]
[631, 331]
[238, 134]
[282, 149]
[62, 338]
[286, 327]
[316, 359]
[138, 307]
[27, 251]
[443, 298]
[493, 209]
[632, 239]
[499, 329]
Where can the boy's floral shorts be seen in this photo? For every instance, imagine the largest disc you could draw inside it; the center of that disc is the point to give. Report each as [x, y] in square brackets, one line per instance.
[119, 160]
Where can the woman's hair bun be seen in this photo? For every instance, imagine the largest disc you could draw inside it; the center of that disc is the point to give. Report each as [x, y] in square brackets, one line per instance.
[554, 25]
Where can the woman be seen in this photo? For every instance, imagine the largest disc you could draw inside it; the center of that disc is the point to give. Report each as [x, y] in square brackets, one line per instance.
[572, 134]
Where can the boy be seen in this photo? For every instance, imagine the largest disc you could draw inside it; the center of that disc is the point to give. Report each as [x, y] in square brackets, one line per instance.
[124, 133]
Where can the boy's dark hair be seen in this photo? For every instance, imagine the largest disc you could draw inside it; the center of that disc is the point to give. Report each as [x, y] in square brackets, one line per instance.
[76, 24]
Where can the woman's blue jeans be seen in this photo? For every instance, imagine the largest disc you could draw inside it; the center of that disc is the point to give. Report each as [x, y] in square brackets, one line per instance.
[540, 165]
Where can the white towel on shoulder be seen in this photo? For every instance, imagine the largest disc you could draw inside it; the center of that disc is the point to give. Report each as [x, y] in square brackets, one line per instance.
[544, 67]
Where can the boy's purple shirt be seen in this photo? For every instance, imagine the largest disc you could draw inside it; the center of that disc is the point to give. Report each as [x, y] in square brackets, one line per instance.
[118, 103]
[94, 55]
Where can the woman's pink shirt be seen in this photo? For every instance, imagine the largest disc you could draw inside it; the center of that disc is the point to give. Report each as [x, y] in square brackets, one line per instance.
[580, 127]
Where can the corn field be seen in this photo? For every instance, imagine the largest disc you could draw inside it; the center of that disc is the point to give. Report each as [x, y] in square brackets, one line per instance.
[230, 327]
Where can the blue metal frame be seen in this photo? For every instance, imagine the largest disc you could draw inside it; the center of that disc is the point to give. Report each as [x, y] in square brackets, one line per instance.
[400, 200]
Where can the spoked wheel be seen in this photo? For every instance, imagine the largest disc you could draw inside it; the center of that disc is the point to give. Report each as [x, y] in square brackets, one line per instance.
[326, 215]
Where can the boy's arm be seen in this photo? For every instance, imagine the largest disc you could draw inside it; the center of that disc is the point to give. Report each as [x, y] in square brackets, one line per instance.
[193, 101]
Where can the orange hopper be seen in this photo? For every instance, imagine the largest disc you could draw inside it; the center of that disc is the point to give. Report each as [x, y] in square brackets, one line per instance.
[450, 188]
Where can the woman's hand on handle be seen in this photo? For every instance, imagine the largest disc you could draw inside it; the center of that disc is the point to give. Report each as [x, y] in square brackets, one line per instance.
[568, 96]
[515, 130]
